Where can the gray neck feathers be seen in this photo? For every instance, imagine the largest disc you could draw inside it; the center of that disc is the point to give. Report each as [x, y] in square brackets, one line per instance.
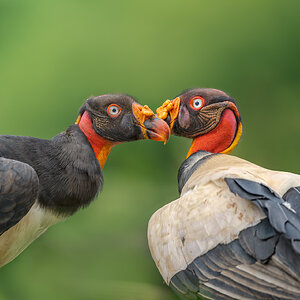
[190, 165]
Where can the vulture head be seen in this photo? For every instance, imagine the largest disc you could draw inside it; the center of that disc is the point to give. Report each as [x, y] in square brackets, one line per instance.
[111, 119]
[208, 116]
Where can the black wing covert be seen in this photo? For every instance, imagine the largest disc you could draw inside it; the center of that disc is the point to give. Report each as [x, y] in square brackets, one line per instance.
[18, 190]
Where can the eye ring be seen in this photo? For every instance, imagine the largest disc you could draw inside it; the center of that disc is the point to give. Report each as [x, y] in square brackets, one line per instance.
[113, 110]
[197, 102]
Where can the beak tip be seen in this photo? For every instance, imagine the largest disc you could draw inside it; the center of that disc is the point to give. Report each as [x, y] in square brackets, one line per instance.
[158, 130]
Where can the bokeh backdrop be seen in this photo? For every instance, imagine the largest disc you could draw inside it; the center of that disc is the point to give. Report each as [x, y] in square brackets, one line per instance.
[55, 54]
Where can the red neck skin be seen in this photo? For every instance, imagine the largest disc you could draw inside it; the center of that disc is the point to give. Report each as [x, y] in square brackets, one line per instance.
[220, 138]
[100, 145]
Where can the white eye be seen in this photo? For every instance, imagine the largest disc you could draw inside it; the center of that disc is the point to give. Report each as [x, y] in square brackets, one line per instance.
[197, 103]
[114, 110]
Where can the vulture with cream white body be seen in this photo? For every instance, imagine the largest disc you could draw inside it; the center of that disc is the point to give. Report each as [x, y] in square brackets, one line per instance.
[234, 232]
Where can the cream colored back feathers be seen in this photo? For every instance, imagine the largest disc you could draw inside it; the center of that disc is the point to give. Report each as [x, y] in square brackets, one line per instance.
[207, 213]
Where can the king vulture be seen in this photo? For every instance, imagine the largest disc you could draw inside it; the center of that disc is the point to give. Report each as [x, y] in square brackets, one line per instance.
[234, 232]
[43, 182]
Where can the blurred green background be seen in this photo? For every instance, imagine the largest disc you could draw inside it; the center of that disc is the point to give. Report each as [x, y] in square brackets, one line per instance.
[55, 54]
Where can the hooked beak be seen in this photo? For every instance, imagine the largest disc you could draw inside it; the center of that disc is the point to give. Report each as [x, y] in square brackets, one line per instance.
[169, 107]
[152, 127]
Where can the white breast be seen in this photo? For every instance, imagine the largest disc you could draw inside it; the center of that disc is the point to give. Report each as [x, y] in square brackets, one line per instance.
[20, 236]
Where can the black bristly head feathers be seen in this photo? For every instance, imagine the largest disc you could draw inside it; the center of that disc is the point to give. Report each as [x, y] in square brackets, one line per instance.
[208, 116]
[120, 125]
[201, 110]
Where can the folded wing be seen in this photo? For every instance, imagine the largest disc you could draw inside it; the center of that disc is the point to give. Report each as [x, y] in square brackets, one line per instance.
[18, 191]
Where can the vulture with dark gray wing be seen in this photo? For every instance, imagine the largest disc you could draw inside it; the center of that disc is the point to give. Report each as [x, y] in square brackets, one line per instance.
[43, 182]
[234, 233]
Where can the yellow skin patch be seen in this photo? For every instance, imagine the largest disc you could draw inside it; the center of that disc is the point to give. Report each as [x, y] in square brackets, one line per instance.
[141, 114]
[78, 120]
[162, 111]
[169, 107]
[236, 140]
[147, 112]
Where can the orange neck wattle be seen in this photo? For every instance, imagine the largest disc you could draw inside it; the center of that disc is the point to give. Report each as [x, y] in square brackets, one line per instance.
[220, 138]
[100, 145]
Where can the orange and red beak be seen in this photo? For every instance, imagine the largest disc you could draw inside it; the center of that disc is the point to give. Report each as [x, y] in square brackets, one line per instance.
[152, 127]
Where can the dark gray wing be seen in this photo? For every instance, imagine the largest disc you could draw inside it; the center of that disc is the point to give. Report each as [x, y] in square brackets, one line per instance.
[262, 263]
[282, 214]
[292, 196]
[18, 191]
